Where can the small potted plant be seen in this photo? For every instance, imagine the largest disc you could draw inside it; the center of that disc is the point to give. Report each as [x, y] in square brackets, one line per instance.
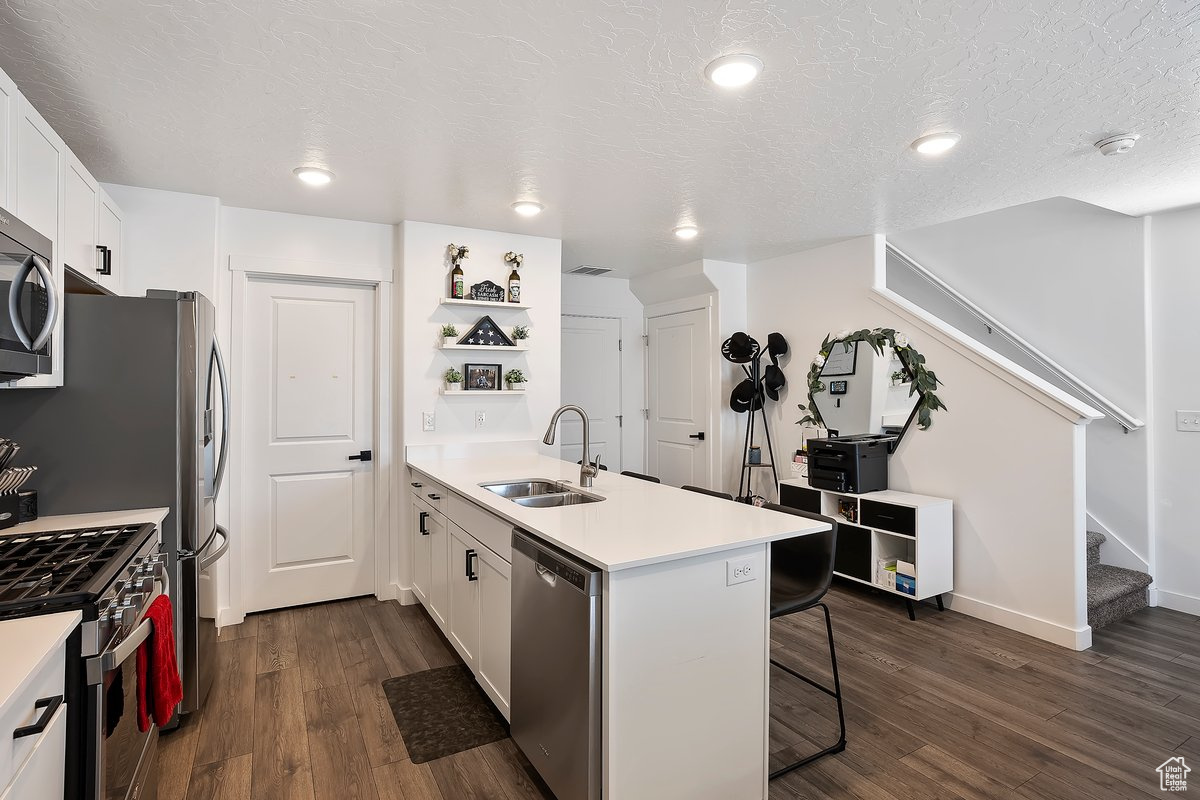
[449, 335]
[453, 380]
[515, 380]
[520, 333]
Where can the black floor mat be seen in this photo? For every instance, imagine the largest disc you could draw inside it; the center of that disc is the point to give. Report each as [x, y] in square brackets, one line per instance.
[442, 711]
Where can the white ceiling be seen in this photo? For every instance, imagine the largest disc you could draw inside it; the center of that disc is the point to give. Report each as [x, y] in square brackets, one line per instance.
[449, 110]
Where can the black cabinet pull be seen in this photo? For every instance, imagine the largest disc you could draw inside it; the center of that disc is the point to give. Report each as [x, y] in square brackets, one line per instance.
[51, 705]
[105, 267]
[421, 523]
[417, 485]
[699, 436]
[471, 576]
[433, 496]
[363, 455]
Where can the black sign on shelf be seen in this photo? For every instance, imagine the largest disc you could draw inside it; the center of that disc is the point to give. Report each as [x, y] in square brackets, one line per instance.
[489, 291]
[487, 333]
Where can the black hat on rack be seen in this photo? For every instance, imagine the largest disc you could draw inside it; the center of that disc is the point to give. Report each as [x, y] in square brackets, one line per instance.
[739, 348]
[777, 346]
[745, 397]
[773, 381]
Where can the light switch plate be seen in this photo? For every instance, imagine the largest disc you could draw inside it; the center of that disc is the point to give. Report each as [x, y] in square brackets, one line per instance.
[1188, 421]
[428, 421]
[740, 570]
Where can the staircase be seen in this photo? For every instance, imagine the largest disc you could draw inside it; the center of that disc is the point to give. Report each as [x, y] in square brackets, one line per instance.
[1113, 593]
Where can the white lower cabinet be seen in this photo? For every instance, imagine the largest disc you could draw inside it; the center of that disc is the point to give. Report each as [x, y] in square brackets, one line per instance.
[43, 774]
[464, 583]
[464, 595]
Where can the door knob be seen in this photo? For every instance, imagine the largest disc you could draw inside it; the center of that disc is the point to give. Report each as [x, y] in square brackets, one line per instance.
[363, 455]
[699, 436]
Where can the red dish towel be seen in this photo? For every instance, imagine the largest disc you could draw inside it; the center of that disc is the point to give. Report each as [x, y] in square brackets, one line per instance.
[159, 689]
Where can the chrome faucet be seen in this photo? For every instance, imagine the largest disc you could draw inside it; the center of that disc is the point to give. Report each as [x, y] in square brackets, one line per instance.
[587, 470]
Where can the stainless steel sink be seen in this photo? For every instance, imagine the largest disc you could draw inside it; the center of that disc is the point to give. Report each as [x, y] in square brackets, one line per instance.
[541, 493]
[556, 500]
[526, 487]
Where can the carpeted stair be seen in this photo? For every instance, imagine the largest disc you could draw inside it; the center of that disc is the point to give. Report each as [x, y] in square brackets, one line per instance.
[1113, 593]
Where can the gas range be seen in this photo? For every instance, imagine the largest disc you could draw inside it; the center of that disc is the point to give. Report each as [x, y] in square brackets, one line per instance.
[111, 575]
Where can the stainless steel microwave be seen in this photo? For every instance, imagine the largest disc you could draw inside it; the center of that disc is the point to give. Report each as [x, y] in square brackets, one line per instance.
[30, 300]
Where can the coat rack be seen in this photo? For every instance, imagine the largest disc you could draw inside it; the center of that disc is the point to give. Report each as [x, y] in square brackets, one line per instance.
[751, 395]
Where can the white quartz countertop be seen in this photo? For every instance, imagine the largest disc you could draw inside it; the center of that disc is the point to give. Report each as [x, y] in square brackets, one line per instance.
[29, 642]
[638, 522]
[99, 519]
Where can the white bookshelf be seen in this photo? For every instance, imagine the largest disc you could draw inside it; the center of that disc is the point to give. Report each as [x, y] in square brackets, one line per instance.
[911, 527]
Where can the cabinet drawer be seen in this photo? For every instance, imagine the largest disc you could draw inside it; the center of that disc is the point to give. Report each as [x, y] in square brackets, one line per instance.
[21, 711]
[887, 517]
[44, 772]
[431, 492]
[853, 555]
[798, 497]
[492, 532]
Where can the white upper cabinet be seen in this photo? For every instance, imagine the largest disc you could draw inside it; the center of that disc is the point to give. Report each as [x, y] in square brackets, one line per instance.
[80, 233]
[8, 132]
[110, 244]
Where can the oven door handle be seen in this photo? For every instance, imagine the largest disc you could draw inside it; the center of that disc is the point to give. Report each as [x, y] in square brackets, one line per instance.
[111, 659]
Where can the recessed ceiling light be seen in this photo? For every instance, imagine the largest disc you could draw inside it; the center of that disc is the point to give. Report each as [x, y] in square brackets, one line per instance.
[313, 176]
[527, 208]
[687, 232]
[732, 72]
[936, 143]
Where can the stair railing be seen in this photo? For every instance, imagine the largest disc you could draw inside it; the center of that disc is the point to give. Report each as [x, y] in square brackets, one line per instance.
[996, 328]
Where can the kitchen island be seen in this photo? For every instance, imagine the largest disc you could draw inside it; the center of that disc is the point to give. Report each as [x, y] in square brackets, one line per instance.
[685, 630]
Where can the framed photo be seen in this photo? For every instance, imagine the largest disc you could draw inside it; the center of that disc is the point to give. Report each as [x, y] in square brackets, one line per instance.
[482, 377]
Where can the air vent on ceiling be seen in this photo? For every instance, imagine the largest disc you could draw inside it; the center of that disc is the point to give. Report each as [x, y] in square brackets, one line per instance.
[586, 270]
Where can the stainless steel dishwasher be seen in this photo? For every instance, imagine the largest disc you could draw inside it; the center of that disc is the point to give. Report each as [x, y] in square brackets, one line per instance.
[555, 700]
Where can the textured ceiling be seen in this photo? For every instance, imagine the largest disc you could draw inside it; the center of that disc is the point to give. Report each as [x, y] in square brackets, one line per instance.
[448, 110]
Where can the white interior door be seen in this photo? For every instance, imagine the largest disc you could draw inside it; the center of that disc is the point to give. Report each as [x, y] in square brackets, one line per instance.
[591, 378]
[680, 398]
[309, 405]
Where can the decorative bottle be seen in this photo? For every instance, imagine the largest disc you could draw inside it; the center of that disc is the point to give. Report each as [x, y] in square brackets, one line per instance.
[514, 286]
[457, 289]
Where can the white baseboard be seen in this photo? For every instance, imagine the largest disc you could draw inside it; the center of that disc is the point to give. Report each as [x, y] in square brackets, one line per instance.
[1178, 602]
[389, 591]
[1073, 638]
[406, 597]
[1152, 596]
[227, 616]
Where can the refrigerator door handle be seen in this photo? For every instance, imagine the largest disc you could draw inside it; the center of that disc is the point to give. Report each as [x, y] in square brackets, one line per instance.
[222, 459]
[212, 558]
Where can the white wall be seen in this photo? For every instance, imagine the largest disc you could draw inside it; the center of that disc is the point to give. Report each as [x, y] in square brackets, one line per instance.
[296, 237]
[1175, 294]
[1068, 277]
[170, 240]
[424, 276]
[591, 296]
[1009, 463]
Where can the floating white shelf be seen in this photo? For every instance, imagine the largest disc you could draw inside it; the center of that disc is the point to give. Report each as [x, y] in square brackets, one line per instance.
[492, 347]
[450, 301]
[481, 392]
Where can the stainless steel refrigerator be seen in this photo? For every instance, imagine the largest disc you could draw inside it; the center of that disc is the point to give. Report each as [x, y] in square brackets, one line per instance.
[140, 422]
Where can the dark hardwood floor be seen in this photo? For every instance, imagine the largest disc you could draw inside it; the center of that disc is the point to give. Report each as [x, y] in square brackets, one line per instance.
[944, 707]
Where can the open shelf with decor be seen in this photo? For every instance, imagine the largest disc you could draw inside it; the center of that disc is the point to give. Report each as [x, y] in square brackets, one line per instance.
[481, 392]
[489, 347]
[453, 301]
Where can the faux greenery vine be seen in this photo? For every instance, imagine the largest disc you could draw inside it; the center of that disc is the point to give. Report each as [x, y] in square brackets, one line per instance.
[923, 380]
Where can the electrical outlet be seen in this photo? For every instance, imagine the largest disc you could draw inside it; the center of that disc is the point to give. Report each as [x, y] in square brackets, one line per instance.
[428, 422]
[480, 419]
[1187, 421]
[740, 571]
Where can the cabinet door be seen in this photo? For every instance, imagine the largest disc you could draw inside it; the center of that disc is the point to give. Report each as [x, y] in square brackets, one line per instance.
[422, 550]
[81, 200]
[43, 774]
[464, 594]
[111, 232]
[8, 146]
[495, 626]
[439, 571]
[40, 165]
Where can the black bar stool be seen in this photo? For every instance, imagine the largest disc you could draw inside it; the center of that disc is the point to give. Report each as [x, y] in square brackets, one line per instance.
[801, 571]
[641, 477]
[709, 492]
